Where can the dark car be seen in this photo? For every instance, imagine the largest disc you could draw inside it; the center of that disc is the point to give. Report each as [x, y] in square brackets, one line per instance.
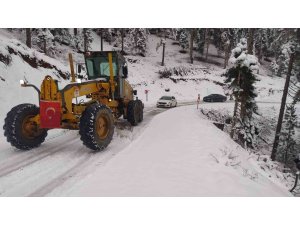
[215, 98]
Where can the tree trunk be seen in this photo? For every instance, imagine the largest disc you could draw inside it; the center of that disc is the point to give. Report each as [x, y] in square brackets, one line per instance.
[237, 99]
[233, 123]
[122, 40]
[85, 44]
[207, 40]
[28, 37]
[227, 53]
[45, 45]
[250, 40]
[192, 45]
[260, 52]
[282, 107]
[101, 39]
[75, 31]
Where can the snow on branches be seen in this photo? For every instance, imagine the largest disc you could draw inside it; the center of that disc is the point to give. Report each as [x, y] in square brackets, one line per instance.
[241, 77]
[240, 57]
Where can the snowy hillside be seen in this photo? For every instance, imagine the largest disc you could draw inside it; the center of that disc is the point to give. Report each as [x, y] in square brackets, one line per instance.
[199, 78]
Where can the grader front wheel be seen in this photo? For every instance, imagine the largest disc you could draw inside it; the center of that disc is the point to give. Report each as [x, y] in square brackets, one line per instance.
[96, 127]
[20, 131]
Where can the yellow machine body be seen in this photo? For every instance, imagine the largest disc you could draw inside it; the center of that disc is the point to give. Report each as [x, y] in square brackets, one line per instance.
[107, 92]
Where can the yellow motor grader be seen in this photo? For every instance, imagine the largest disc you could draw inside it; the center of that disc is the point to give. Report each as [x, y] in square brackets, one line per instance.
[105, 96]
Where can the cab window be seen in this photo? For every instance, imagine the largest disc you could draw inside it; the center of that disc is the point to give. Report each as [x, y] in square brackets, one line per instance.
[99, 67]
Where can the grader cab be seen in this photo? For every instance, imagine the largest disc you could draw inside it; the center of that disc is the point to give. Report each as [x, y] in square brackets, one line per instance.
[91, 106]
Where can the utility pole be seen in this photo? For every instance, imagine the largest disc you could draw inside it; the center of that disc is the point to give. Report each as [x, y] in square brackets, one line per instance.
[163, 42]
[282, 107]
[163, 53]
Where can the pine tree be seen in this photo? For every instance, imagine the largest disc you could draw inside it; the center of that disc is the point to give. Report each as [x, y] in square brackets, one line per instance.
[200, 40]
[287, 140]
[44, 41]
[192, 36]
[261, 43]
[227, 43]
[293, 55]
[242, 79]
[87, 39]
[183, 39]
[207, 41]
[138, 40]
[120, 40]
[292, 45]
[217, 40]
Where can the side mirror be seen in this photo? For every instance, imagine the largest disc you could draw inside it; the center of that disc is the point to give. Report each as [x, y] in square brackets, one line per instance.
[78, 68]
[125, 71]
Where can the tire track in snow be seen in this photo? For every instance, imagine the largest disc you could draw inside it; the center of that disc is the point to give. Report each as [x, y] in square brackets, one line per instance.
[62, 178]
[60, 145]
[23, 161]
[104, 157]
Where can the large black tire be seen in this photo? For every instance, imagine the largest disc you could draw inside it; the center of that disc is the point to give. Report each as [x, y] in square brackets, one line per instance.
[19, 131]
[141, 110]
[96, 127]
[133, 112]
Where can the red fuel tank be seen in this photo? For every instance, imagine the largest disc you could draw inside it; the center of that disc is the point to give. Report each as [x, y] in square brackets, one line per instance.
[50, 114]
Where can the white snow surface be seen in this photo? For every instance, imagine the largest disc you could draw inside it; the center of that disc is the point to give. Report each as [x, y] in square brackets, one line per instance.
[172, 159]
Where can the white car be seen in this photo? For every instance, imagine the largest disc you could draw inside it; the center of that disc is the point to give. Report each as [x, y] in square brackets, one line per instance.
[167, 102]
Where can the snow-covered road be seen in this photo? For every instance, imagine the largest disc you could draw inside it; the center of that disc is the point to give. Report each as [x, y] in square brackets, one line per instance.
[179, 154]
[62, 166]
[59, 162]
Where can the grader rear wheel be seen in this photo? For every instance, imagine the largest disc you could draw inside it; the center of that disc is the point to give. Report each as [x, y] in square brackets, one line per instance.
[20, 131]
[96, 127]
[141, 111]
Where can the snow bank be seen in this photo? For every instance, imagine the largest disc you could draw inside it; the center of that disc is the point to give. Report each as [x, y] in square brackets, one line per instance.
[188, 157]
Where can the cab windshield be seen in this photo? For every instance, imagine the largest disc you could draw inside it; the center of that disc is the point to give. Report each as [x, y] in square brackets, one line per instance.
[98, 67]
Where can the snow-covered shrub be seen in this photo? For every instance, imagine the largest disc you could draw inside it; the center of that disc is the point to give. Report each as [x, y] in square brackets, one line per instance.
[165, 73]
[220, 116]
[5, 57]
[177, 71]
